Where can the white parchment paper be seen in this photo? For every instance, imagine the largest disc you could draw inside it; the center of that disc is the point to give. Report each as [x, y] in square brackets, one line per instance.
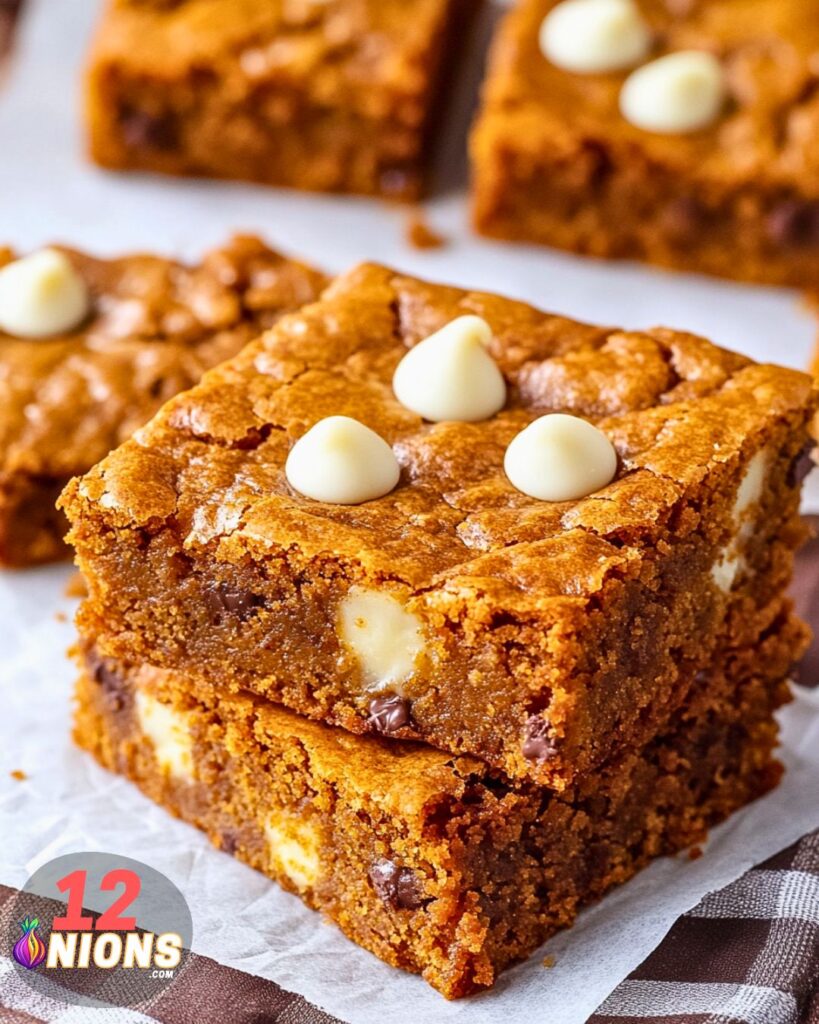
[48, 192]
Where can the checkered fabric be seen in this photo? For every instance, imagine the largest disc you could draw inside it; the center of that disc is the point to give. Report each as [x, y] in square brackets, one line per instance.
[748, 954]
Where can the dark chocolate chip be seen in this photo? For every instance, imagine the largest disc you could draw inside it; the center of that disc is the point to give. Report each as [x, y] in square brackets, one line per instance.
[683, 217]
[224, 597]
[397, 886]
[229, 841]
[395, 181]
[801, 465]
[794, 222]
[538, 745]
[389, 713]
[111, 682]
[141, 130]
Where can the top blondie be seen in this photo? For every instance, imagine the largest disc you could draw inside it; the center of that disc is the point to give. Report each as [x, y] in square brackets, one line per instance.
[542, 636]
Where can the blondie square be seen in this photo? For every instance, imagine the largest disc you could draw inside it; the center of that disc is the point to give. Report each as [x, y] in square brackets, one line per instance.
[330, 95]
[557, 161]
[541, 636]
[432, 862]
[152, 328]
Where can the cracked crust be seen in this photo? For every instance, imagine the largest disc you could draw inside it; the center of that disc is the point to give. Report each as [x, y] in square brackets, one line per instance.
[156, 327]
[555, 161]
[595, 614]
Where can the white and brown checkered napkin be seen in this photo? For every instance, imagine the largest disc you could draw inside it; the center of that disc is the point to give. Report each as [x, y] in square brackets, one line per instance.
[747, 954]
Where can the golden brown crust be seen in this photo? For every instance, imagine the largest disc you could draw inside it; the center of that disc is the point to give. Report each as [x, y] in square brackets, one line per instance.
[156, 326]
[556, 162]
[429, 861]
[314, 94]
[594, 615]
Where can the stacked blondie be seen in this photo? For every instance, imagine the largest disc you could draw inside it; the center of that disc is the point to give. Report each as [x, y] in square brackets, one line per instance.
[446, 613]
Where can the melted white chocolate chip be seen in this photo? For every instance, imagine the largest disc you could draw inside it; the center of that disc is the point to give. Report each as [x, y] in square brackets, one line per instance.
[42, 295]
[384, 637]
[594, 36]
[680, 93]
[451, 376]
[560, 458]
[169, 732]
[726, 568]
[294, 846]
[342, 462]
[730, 562]
[751, 486]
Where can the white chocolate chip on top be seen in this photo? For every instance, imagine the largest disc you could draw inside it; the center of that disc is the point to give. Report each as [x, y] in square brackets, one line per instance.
[560, 458]
[594, 36]
[385, 638]
[42, 295]
[342, 462]
[169, 732]
[680, 93]
[451, 376]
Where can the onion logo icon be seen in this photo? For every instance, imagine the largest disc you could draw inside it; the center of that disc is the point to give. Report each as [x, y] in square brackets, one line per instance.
[29, 950]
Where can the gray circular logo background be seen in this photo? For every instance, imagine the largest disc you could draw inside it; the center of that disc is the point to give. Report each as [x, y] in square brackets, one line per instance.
[158, 908]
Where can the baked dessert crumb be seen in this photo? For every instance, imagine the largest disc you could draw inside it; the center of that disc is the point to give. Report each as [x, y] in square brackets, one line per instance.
[421, 236]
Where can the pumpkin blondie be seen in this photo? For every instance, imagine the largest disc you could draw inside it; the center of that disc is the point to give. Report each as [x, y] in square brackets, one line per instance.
[542, 636]
[433, 862]
[140, 329]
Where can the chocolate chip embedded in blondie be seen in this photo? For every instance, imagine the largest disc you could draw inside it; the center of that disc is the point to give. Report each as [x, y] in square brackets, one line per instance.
[681, 134]
[91, 348]
[432, 862]
[330, 95]
[453, 607]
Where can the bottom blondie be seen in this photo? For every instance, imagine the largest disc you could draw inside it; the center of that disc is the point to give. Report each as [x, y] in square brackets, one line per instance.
[435, 863]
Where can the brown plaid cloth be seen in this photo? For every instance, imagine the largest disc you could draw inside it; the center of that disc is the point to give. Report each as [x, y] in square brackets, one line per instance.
[748, 954]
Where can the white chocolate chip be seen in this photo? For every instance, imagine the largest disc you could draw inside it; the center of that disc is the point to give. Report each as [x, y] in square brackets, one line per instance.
[594, 36]
[680, 93]
[169, 732]
[726, 569]
[730, 561]
[42, 295]
[751, 486]
[451, 376]
[385, 638]
[342, 462]
[294, 847]
[560, 458]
